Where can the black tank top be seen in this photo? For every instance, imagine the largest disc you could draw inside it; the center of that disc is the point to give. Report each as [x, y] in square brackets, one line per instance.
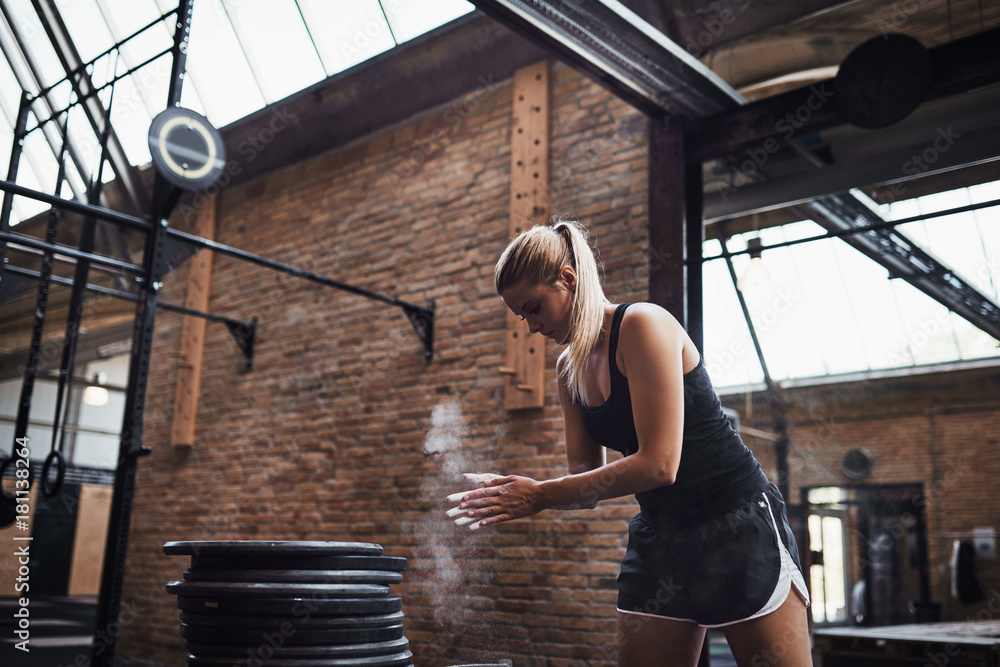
[717, 472]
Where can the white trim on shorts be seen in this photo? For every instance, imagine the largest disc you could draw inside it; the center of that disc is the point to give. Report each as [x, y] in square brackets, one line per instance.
[788, 576]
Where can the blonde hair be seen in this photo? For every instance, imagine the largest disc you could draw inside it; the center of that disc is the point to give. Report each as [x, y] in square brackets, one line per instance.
[535, 257]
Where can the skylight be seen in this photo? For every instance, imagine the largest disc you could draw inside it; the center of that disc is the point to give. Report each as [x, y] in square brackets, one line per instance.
[829, 310]
[243, 55]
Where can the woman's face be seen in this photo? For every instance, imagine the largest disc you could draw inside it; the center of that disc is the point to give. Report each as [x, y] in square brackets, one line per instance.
[546, 308]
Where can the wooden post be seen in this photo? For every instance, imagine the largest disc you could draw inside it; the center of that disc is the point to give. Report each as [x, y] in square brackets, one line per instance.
[529, 206]
[193, 334]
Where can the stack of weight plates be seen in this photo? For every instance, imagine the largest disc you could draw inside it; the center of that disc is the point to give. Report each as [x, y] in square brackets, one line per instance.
[290, 604]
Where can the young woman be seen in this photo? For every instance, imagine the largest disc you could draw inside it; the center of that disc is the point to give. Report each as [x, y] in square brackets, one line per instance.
[711, 546]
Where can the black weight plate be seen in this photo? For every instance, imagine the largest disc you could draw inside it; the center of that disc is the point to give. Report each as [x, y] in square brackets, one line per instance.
[295, 576]
[255, 562]
[249, 589]
[272, 623]
[400, 659]
[296, 607]
[290, 636]
[300, 652]
[271, 547]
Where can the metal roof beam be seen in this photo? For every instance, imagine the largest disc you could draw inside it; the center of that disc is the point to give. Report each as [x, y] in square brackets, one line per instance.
[612, 44]
[904, 259]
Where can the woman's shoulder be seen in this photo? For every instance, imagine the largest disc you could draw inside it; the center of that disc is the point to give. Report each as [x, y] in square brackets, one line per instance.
[649, 331]
[643, 313]
[647, 327]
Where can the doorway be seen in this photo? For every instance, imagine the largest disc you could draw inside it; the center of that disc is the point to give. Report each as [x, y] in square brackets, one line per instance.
[866, 550]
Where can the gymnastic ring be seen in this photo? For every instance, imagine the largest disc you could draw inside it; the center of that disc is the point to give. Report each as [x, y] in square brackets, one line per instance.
[3, 471]
[53, 491]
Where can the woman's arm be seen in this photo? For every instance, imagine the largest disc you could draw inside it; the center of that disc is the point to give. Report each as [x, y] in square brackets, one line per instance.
[651, 344]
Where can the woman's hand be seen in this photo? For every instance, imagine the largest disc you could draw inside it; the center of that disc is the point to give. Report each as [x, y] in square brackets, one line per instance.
[499, 498]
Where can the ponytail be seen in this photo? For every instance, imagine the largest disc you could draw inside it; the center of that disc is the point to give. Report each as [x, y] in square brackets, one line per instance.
[535, 257]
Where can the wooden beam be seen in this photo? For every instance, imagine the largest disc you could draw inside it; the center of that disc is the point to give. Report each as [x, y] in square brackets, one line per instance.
[529, 206]
[182, 433]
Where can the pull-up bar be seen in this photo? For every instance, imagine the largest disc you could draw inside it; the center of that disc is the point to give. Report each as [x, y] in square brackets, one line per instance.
[420, 317]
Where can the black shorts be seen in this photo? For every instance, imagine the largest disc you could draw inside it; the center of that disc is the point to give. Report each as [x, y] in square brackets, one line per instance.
[715, 572]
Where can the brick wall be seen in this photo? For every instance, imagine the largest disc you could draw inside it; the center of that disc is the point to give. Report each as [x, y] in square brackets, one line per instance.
[343, 432]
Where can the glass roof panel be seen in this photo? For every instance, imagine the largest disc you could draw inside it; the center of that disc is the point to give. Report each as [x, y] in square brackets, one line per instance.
[966, 242]
[124, 17]
[861, 275]
[58, 98]
[346, 33]
[10, 98]
[277, 44]
[83, 138]
[34, 174]
[929, 335]
[973, 342]
[830, 310]
[410, 18]
[217, 63]
[780, 316]
[131, 120]
[819, 298]
[86, 26]
[49, 69]
[729, 352]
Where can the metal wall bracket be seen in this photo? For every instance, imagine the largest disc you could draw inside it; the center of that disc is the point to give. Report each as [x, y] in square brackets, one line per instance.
[244, 333]
[422, 320]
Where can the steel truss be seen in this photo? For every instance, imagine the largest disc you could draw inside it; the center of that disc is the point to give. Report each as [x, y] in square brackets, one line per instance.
[904, 259]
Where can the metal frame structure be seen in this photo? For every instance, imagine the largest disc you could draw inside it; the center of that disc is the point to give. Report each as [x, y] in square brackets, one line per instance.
[164, 250]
